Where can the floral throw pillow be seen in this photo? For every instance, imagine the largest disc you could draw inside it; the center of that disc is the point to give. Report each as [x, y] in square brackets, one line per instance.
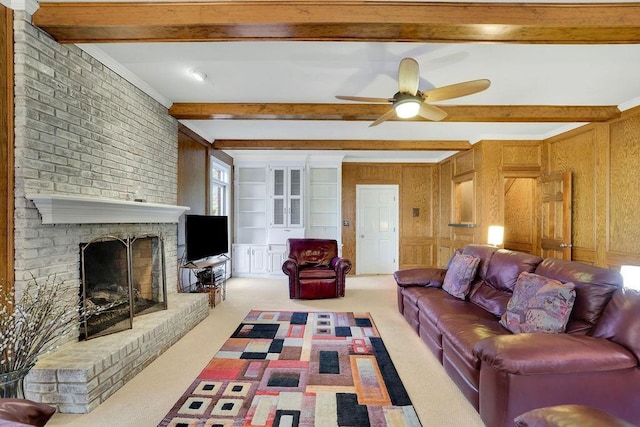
[539, 304]
[461, 271]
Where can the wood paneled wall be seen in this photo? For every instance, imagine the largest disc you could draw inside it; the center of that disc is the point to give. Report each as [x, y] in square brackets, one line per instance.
[603, 160]
[418, 189]
[489, 164]
[192, 173]
[6, 149]
[193, 170]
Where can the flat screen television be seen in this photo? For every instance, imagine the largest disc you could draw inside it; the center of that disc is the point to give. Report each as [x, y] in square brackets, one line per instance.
[205, 236]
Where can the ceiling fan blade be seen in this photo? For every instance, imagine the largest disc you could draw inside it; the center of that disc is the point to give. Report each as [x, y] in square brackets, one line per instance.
[456, 90]
[386, 116]
[365, 99]
[408, 76]
[431, 112]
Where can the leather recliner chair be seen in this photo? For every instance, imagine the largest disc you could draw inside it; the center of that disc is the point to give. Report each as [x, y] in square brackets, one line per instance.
[314, 268]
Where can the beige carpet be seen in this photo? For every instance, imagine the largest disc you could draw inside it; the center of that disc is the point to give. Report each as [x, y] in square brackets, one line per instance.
[148, 397]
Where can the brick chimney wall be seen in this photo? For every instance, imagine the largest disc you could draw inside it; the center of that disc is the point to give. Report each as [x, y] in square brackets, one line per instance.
[81, 129]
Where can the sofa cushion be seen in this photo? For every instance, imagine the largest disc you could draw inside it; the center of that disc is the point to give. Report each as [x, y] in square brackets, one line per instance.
[463, 332]
[506, 266]
[594, 287]
[317, 273]
[620, 321]
[462, 270]
[538, 304]
[436, 305]
[485, 253]
[489, 298]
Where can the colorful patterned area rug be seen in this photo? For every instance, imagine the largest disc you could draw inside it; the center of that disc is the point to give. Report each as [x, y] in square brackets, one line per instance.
[298, 369]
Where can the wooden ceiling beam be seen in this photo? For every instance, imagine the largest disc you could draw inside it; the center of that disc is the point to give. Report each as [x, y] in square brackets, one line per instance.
[370, 112]
[279, 144]
[350, 20]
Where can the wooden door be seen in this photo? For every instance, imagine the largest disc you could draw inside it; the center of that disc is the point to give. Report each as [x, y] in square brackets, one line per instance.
[555, 217]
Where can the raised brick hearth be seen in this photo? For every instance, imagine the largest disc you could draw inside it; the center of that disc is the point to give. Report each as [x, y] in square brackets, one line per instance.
[81, 375]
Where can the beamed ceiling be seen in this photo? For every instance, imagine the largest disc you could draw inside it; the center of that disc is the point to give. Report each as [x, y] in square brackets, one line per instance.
[274, 67]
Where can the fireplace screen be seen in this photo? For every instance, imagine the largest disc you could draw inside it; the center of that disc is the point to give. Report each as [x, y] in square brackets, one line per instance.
[121, 278]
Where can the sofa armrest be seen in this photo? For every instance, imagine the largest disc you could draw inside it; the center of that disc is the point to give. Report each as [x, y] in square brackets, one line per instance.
[23, 412]
[290, 267]
[426, 277]
[539, 353]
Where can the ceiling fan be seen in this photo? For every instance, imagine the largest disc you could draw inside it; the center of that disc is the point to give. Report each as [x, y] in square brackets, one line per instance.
[409, 101]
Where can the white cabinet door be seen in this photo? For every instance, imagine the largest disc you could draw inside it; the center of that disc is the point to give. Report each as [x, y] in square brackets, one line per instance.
[294, 214]
[276, 259]
[286, 197]
[241, 259]
[258, 259]
[250, 259]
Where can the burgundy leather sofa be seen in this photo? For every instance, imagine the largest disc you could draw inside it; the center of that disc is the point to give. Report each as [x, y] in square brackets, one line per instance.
[314, 268]
[24, 413]
[595, 362]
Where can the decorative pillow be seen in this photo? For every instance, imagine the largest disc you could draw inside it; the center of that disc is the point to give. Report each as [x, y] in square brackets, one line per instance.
[462, 270]
[539, 304]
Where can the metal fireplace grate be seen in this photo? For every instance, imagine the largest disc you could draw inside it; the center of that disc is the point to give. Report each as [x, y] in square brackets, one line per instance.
[122, 278]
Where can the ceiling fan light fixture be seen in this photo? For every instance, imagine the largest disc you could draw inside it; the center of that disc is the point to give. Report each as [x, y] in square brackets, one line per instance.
[198, 75]
[407, 106]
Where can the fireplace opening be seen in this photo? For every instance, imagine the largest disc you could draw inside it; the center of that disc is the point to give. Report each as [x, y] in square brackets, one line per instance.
[121, 278]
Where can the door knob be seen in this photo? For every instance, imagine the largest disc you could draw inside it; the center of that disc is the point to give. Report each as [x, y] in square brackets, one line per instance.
[565, 245]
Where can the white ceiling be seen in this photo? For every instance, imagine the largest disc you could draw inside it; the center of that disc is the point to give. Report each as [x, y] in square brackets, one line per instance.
[314, 72]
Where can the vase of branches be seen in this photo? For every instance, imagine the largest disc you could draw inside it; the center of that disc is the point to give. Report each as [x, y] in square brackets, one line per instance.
[40, 320]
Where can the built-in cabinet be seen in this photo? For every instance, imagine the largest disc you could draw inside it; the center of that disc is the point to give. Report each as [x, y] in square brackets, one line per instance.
[324, 203]
[251, 205]
[287, 196]
[275, 201]
[250, 259]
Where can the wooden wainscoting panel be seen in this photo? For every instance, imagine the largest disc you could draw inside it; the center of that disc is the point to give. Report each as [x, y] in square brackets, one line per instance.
[416, 195]
[445, 200]
[615, 260]
[519, 214]
[586, 256]
[624, 188]
[521, 155]
[417, 252]
[464, 163]
[445, 252]
[578, 153]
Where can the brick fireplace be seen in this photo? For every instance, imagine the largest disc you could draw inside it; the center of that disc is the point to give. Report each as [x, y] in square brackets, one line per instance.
[89, 142]
[82, 374]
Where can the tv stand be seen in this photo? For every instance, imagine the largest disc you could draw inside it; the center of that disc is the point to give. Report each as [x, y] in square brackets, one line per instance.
[211, 277]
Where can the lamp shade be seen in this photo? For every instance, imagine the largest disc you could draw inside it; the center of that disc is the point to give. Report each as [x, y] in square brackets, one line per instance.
[631, 276]
[496, 235]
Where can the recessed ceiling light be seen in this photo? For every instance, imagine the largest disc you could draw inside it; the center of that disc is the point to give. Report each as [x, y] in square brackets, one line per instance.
[198, 75]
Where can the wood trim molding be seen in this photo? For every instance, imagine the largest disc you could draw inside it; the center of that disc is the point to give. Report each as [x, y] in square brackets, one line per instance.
[348, 20]
[383, 145]
[370, 112]
[6, 150]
